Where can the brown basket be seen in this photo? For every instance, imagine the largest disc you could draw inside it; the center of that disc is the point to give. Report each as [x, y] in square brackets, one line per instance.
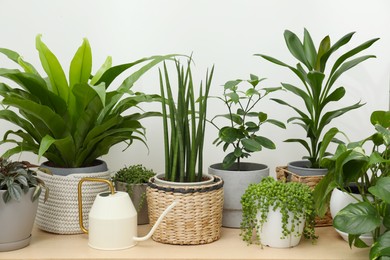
[196, 219]
[283, 174]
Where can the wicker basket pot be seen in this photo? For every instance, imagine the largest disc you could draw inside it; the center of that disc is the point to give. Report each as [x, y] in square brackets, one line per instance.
[283, 174]
[196, 219]
[59, 214]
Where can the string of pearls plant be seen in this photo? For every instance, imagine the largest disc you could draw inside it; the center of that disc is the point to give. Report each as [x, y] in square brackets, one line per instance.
[292, 197]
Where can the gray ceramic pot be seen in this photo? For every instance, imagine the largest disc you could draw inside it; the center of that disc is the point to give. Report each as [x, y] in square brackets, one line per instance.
[16, 221]
[235, 184]
[302, 168]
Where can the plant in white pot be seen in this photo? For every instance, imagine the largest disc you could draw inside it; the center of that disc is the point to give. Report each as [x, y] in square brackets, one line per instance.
[197, 217]
[366, 165]
[19, 191]
[240, 138]
[278, 212]
[317, 91]
[71, 121]
[133, 180]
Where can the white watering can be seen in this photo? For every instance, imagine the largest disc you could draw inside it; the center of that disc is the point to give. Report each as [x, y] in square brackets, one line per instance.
[113, 219]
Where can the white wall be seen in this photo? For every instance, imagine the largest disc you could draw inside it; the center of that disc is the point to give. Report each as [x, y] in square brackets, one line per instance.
[222, 32]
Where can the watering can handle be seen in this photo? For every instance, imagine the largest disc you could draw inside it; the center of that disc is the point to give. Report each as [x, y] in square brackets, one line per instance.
[80, 200]
[157, 223]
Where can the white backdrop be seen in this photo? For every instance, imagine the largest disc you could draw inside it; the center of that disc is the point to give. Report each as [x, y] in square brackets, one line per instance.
[225, 33]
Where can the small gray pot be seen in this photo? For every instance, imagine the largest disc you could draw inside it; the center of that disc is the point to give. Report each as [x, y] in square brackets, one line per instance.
[137, 193]
[235, 184]
[16, 221]
[302, 168]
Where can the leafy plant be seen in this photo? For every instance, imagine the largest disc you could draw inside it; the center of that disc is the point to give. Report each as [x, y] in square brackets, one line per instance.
[134, 174]
[366, 164]
[269, 194]
[184, 124]
[16, 178]
[72, 121]
[318, 89]
[241, 133]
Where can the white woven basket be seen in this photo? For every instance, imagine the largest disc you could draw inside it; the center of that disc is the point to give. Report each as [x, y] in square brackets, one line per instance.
[59, 214]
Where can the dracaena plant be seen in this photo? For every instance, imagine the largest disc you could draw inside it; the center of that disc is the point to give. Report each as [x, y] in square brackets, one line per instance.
[241, 134]
[365, 163]
[16, 178]
[318, 75]
[72, 120]
[184, 123]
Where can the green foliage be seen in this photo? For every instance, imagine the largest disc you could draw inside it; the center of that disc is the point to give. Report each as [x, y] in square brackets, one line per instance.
[241, 133]
[367, 164]
[72, 121]
[184, 124]
[318, 89]
[134, 174]
[292, 197]
[16, 178]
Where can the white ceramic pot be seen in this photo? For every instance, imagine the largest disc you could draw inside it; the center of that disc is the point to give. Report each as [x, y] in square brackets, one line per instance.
[272, 231]
[235, 184]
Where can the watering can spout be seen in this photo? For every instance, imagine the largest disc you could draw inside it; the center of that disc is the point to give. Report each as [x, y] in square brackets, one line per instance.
[155, 226]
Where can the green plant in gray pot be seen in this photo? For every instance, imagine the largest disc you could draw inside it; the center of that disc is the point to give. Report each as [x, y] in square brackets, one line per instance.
[133, 179]
[19, 191]
[71, 120]
[318, 73]
[240, 138]
[366, 164]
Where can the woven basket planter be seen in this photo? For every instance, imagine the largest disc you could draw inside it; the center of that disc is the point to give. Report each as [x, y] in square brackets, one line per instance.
[195, 220]
[59, 214]
[283, 174]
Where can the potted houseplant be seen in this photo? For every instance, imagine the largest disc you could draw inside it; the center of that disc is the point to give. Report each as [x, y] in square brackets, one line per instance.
[366, 164]
[240, 138]
[19, 191]
[197, 217]
[317, 91]
[279, 212]
[71, 121]
[133, 179]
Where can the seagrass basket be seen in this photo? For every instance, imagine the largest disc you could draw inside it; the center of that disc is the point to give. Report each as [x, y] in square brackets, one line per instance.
[283, 174]
[195, 220]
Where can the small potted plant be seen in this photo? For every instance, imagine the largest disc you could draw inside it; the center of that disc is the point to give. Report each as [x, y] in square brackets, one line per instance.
[317, 92]
[366, 165]
[19, 192]
[279, 213]
[133, 180]
[240, 138]
[184, 124]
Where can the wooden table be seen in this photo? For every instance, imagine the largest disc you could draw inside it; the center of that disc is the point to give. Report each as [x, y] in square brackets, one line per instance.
[230, 246]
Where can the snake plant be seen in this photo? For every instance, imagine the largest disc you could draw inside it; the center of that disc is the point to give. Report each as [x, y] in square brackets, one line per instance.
[71, 121]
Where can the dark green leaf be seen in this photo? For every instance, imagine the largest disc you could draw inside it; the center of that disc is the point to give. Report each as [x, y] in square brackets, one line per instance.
[358, 218]
[296, 47]
[251, 145]
[264, 141]
[381, 247]
[381, 189]
[310, 50]
[277, 123]
[262, 116]
[380, 117]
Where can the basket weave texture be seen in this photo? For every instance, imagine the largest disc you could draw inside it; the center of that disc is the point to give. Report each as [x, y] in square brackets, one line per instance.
[283, 174]
[60, 213]
[195, 220]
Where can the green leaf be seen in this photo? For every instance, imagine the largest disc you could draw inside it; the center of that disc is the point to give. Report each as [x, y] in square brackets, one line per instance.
[336, 95]
[296, 48]
[381, 247]
[302, 94]
[230, 134]
[237, 152]
[251, 145]
[81, 65]
[380, 117]
[277, 123]
[262, 116]
[51, 65]
[310, 50]
[233, 97]
[229, 160]
[105, 66]
[301, 141]
[330, 49]
[328, 137]
[357, 218]
[264, 141]
[381, 189]
[322, 55]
